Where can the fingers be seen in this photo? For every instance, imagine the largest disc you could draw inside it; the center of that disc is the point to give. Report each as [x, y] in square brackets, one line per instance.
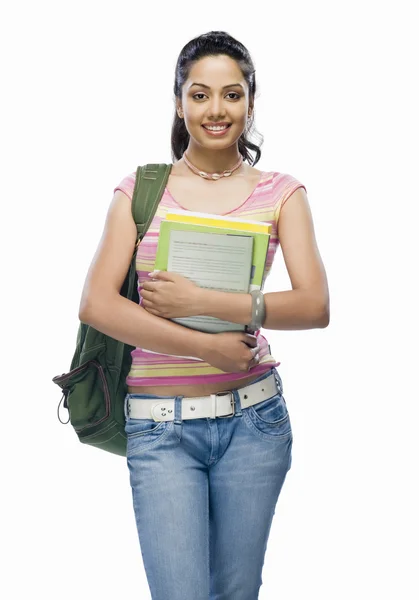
[255, 351]
[250, 339]
[255, 357]
[253, 362]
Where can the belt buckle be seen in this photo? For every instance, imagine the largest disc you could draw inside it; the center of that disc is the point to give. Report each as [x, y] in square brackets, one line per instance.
[232, 403]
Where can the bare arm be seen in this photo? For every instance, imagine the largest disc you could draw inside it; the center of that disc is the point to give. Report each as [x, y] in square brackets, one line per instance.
[306, 306]
[103, 307]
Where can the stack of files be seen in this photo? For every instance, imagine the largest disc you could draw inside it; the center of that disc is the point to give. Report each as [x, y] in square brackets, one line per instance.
[216, 252]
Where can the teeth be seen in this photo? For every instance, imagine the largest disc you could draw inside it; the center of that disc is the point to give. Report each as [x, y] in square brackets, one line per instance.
[216, 128]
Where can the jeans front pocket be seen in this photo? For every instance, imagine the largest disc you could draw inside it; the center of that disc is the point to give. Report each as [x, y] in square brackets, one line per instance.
[143, 427]
[144, 433]
[269, 419]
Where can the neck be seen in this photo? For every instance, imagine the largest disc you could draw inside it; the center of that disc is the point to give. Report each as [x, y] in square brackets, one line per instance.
[214, 161]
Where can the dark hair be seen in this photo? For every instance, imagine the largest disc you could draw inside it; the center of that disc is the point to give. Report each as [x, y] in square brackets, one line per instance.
[214, 43]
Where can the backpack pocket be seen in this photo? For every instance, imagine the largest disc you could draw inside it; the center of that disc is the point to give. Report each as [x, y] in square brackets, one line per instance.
[87, 394]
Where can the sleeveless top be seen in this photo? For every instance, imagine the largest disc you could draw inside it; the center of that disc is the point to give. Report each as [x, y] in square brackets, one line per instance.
[263, 204]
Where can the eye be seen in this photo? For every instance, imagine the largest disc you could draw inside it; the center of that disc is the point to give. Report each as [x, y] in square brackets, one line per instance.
[229, 94]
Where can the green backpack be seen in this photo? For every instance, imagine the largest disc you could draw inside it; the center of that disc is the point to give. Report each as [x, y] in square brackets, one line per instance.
[94, 389]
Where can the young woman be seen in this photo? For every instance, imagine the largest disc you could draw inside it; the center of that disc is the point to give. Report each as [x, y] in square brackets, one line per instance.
[209, 440]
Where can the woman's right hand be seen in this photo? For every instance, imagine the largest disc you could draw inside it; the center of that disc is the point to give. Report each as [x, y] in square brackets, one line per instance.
[231, 351]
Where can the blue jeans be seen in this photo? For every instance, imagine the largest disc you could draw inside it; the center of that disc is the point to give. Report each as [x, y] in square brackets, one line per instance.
[204, 494]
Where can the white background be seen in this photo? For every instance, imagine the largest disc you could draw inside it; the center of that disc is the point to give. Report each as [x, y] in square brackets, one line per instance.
[87, 96]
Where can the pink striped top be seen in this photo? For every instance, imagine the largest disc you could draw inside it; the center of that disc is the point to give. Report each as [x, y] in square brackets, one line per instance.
[263, 204]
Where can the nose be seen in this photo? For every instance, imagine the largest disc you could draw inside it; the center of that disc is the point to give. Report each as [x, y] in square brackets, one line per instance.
[216, 108]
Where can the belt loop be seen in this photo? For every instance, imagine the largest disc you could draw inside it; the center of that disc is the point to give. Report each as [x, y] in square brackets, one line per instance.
[178, 410]
[278, 380]
[238, 406]
[126, 400]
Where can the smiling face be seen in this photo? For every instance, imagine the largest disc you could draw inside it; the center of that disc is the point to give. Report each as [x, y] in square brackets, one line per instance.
[215, 92]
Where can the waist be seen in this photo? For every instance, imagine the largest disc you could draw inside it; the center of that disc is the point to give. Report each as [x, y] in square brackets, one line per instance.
[192, 390]
[152, 373]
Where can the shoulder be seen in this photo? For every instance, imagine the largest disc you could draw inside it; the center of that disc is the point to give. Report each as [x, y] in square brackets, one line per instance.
[283, 186]
[127, 184]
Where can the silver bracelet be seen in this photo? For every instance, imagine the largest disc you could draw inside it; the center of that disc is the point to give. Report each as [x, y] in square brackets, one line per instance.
[258, 310]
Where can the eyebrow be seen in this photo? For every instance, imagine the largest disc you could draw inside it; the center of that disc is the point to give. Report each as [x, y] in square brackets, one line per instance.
[224, 87]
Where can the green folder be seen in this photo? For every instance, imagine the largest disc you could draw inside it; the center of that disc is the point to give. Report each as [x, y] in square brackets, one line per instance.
[259, 253]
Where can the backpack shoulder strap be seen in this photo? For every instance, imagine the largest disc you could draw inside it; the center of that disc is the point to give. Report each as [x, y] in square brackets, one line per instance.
[149, 187]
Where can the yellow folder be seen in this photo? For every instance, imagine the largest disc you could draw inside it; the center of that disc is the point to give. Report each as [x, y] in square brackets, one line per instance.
[218, 221]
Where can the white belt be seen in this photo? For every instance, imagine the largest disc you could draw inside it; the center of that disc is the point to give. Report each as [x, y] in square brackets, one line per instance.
[214, 405]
